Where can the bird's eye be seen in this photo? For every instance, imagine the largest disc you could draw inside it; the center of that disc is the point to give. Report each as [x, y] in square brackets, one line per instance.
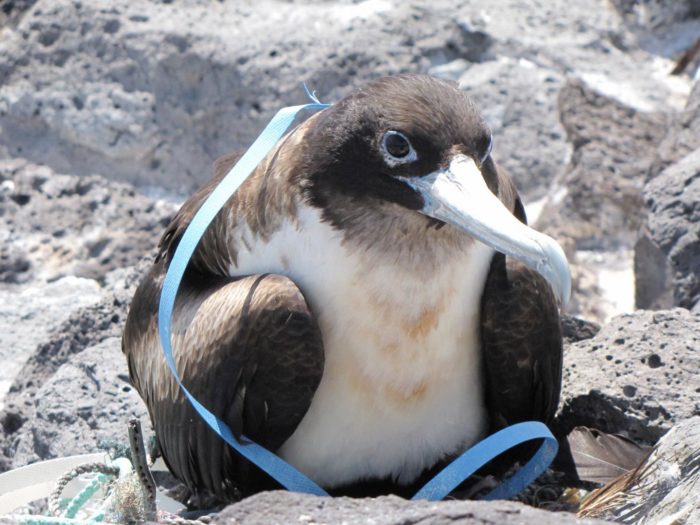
[397, 145]
[397, 149]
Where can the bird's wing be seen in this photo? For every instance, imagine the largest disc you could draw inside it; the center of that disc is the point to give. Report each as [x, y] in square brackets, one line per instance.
[248, 349]
[521, 336]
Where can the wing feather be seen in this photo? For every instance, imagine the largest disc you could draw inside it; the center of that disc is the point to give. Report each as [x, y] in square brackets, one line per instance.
[521, 335]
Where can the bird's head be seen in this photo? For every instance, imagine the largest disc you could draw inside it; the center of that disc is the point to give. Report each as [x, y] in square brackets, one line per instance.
[409, 154]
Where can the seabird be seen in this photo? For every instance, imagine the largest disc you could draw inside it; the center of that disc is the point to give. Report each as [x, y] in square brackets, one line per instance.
[368, 304]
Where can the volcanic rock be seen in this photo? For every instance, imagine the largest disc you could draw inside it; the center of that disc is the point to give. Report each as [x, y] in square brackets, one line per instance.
[519, 101]
[273, 508]
[656, 14]
[683, 137]
[637, 377]
[58, 225]
[93, 416]
[667, 254]
[153, 92]
[28, 318]
[87, 327]
[613, 148]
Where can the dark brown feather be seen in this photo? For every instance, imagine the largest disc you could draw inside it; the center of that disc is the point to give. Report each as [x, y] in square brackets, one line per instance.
[522, 345]
[600, 457]
[521, 335]
[248, 349]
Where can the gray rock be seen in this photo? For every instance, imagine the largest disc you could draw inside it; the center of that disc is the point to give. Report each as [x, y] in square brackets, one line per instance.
[571, 38]
[519, 101]
[598, 202]
[665, 487]
[55, 225]
[656, 14]
[576, 329]
[637, 377]
[666, 28]
[667, 253]
[82, 408]
[27, 318]
[270, 508]
[15, 264]
[152, 93]
[87, 327]
[11, 10]
[683, 137]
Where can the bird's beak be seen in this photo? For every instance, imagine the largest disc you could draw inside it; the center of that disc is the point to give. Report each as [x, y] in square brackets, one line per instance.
[458, 195]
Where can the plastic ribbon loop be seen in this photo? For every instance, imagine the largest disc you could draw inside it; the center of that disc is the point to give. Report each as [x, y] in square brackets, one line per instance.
[289, 477]
[477, 456]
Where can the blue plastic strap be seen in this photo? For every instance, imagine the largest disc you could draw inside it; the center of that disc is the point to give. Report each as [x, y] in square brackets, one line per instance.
[275, 466]
[469, 462]
[289, 477]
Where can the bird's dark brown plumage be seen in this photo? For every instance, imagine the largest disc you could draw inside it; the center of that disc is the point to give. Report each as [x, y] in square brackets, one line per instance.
[248, 349]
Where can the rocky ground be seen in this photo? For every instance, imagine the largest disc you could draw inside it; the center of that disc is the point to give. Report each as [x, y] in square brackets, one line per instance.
[112, 111]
